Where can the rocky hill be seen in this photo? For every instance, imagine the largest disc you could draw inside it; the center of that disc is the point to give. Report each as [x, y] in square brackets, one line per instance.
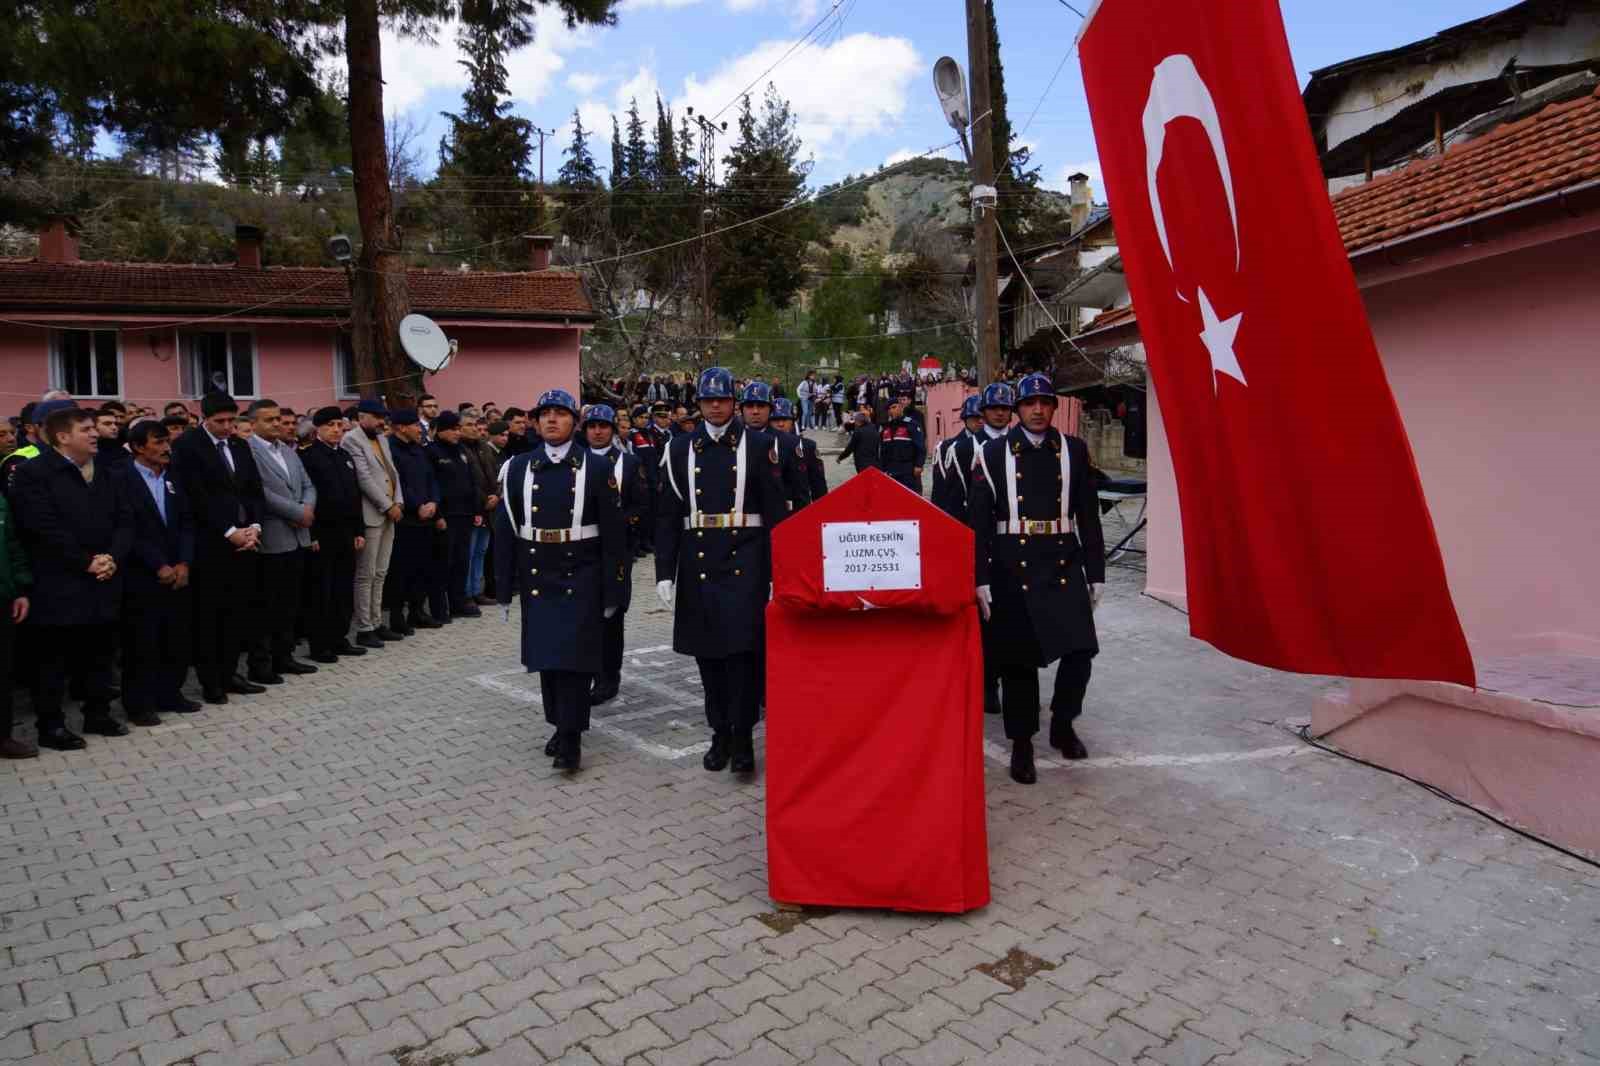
[885, 213]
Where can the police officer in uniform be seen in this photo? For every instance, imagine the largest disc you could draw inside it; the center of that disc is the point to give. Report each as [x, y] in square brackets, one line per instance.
[902, 449]
[1040, 570]
[755, 410]
[338, 535]
[952, 463]
[646, 447]
[805, 451]
[561, 545]
[461, 503]
[722, 492]
[412, 566]
[600, 434]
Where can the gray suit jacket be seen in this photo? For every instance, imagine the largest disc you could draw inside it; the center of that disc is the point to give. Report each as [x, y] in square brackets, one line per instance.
[370, 475]
[287, 497]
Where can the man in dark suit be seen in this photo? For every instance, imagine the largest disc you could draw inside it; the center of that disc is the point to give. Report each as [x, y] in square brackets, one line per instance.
[217, 473]
[863, 443]
[337, 537]
[77, 529]
[419, 521]
[157, 601]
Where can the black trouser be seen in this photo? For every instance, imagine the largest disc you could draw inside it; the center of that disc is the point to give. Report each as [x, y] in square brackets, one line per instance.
[436, 569]
[8, 644]
[282, 577]
[409, 567]
[565, 695]
[221, 623]
[157, 645]
[733, 693]
[1020, 698]
[458, 559]
[81, 649]
[611, 647]
[331, 599]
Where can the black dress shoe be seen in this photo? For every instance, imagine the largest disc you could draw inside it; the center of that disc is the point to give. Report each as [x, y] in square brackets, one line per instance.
[717, 757]
[426, 622]
[744, 755]
[61, 739]
[552, 745]
[384, 634]
[484, 601]
[105, 726]
[327, 658]
[240, 687]
[1065, 739]
[147, 719]
[184, 706]
[12, 748]
[1022, 771]
[604, 691]
[368, 640]
[349, 649]
[466, 612]
[294, 666]
[214, 695]
[265, 677]
[568, 753]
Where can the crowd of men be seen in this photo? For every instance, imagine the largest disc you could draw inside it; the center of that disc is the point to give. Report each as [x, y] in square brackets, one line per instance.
[222, 543]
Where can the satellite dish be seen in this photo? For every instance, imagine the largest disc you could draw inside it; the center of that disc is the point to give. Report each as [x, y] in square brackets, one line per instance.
[425, 343]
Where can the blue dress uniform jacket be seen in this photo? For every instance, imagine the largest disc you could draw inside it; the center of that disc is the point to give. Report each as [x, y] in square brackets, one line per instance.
[1039, 581]
[952, 475]
[564, 586]
[418, 483]
[816, 475]
[792, 465]
[636, 504]
[460, 495]
[902, 449]
[722, 574]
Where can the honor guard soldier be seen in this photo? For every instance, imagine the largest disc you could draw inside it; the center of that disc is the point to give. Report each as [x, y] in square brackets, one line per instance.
[646, 447]
[1040, 570]
[805, 451]
[600, 433]
[561, 545]
[755, 410]
[722, 492]
[902, 449]
[952, 464]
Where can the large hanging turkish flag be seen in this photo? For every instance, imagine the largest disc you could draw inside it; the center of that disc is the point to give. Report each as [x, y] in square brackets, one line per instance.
[1307, 540]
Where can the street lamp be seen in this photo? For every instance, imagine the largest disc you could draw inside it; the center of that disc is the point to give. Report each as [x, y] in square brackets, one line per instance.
[951, 87]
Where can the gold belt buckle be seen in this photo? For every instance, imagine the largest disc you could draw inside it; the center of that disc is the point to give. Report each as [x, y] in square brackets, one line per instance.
[551, 536]
[1038, 528]
[718, 521]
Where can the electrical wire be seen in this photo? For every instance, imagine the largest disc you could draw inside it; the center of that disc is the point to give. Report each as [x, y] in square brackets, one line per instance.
[1304, 733]
[781, 60]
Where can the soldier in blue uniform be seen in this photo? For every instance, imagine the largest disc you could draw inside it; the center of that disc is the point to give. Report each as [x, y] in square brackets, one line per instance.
[805, 451]
[755, 411]
[1040, 570]
[600, 433]
[902, 449]
[561, 544]
[722, 492]
[952, 464]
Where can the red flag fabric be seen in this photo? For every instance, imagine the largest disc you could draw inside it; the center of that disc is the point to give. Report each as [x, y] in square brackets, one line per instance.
[1307, 540]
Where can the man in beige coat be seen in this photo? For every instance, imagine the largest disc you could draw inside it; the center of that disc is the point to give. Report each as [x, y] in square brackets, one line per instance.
[380, 508]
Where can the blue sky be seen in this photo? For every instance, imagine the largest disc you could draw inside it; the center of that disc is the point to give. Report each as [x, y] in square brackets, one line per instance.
[861, 85]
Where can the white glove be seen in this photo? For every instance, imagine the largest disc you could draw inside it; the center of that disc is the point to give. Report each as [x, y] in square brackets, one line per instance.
[664, 593]
[985, 602]
[1095, 592]
[505, 612]
[610, 612]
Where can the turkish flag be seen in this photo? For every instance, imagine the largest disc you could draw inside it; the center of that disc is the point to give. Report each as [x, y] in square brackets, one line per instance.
[1308, 543]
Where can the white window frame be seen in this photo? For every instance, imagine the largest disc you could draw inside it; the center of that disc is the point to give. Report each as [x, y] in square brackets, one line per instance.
[255, 362]
[57, 371]
[343, 389]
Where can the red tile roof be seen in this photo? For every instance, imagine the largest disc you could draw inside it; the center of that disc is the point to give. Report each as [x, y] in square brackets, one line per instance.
[35, 285]
[1558, 148]
[1555, 149]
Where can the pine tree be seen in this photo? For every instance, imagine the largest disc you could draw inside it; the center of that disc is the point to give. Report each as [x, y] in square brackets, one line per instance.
[489, 149]
[582, 192]
[1015, 180]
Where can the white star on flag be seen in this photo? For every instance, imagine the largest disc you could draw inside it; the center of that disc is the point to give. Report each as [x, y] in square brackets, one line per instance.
[1218, 337]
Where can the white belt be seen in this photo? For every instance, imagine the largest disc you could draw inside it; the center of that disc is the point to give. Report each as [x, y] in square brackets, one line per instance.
[701, 520]
[558, 536]
[1028, 527]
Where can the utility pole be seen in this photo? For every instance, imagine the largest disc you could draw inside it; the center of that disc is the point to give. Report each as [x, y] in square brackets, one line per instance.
[542, 135]
[983, 223]
[708, 156]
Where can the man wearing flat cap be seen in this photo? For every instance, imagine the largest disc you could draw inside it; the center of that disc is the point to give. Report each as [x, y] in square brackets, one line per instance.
[419, 521]
[381, 501]
[561, 547]
[461, 499]
[338, 535]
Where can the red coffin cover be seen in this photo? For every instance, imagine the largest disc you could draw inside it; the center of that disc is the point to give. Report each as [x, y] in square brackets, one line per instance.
[875, 719]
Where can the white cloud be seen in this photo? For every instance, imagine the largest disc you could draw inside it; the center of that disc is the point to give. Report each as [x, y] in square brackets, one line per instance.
[900, 156]
[584, 84]
[413, 68]
[637, 5]
[854, 88]
[1090, 167]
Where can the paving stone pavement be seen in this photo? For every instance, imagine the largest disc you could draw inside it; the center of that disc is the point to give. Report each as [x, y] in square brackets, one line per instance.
[376, 865]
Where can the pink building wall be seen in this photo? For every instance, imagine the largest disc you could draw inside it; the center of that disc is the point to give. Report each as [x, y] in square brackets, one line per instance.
[1495, 364]
[510, 363]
